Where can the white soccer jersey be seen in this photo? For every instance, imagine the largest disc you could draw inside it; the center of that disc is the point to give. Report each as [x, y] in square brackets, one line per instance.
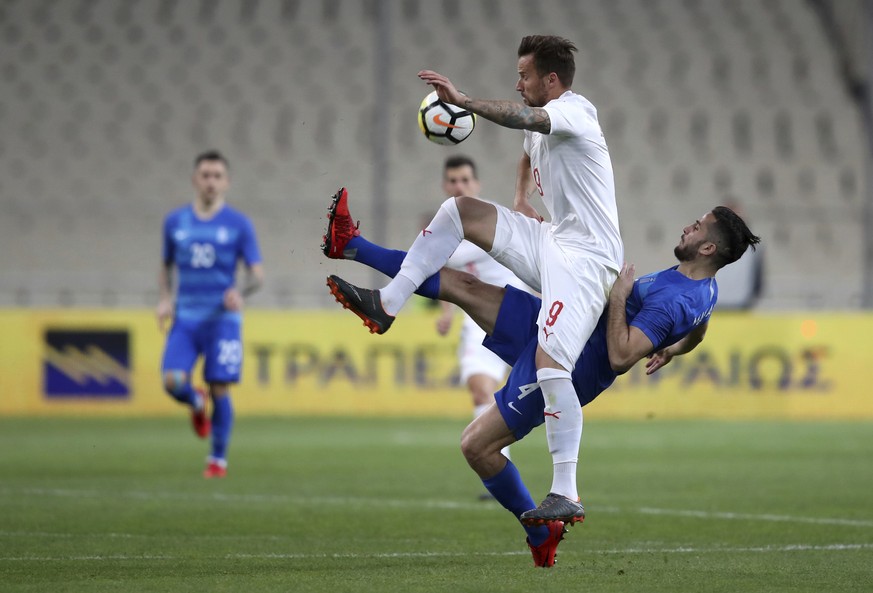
[573, 174]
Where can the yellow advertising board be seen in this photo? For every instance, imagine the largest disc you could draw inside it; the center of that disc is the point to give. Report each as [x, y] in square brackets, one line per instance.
[759, 366]
[324, 362]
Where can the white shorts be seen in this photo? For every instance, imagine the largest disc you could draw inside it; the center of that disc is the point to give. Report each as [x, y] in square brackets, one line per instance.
[574, 283]
[476, 359]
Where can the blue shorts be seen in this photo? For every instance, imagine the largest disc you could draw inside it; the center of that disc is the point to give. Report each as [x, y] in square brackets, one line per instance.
[217, 340]
[520, 401]
[514, 340]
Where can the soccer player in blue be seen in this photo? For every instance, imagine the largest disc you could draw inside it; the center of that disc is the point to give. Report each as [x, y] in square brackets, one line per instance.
[204, 241]
[659, 316]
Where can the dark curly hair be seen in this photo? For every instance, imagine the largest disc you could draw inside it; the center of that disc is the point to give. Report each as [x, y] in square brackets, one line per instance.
[731, 236]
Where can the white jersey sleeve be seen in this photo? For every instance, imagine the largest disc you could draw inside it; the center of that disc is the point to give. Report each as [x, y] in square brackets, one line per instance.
[574, 118]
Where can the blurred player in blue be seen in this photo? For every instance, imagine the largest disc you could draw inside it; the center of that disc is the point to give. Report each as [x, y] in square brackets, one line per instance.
[204, 241]
[660, 315]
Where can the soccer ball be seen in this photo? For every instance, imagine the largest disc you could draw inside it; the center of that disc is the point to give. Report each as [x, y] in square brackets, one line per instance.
[443, 123]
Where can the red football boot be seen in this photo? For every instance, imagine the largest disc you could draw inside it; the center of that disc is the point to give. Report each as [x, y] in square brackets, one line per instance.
[215, 468]
[544, 554]
[340, 227]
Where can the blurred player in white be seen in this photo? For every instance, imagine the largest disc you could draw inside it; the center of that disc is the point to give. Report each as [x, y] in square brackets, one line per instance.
[482, 371]
[572, 260]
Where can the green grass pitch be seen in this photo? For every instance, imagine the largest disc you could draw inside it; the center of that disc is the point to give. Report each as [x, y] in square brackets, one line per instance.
[362, 504]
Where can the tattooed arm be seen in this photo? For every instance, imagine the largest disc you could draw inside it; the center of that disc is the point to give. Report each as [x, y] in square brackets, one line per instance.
[509, 114]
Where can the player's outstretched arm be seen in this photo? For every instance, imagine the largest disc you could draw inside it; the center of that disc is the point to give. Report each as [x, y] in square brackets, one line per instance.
[509, 114]
[663, 357]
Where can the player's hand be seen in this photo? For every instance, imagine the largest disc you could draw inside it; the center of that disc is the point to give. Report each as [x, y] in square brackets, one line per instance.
[233, 300]
[657, 360]
[624, 284]
[528, 210]
[164, 312]
[444, 324]
[444, 88]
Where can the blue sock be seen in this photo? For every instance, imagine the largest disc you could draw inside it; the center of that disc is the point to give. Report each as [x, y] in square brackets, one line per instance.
[388, 261]
[222, 423]
[508, 489]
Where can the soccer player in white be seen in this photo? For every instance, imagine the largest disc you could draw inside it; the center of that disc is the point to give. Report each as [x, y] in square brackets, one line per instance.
[572, 260]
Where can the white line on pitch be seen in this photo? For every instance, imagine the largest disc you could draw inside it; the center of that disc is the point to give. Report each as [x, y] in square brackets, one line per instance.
[754, 517]
[89, 558]
[354, 555]
[427, 504]
[643, 550]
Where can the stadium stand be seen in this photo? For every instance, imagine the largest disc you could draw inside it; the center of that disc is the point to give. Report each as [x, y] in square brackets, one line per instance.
[104, 104]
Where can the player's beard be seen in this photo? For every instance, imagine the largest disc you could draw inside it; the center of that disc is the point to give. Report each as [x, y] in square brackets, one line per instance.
[686, 252]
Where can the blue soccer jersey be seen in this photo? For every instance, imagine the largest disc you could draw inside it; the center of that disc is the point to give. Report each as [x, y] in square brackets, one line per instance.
[205, 253]
[665, 306]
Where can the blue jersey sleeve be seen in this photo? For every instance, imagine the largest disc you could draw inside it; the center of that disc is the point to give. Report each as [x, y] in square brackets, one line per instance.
[656, 320]
[671, 305]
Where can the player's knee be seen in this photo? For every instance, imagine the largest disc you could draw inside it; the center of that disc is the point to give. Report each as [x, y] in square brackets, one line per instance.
[464, 205]
[477, 218]
[219, 389]
[174, 382]
[468, 281]
[455, 285]
[548, 369]
[471, 446]
[451, 208]
[466, 210]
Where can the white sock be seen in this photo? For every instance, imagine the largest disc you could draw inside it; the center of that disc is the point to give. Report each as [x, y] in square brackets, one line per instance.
[395, 295]
[563, 428]
[429, 252]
